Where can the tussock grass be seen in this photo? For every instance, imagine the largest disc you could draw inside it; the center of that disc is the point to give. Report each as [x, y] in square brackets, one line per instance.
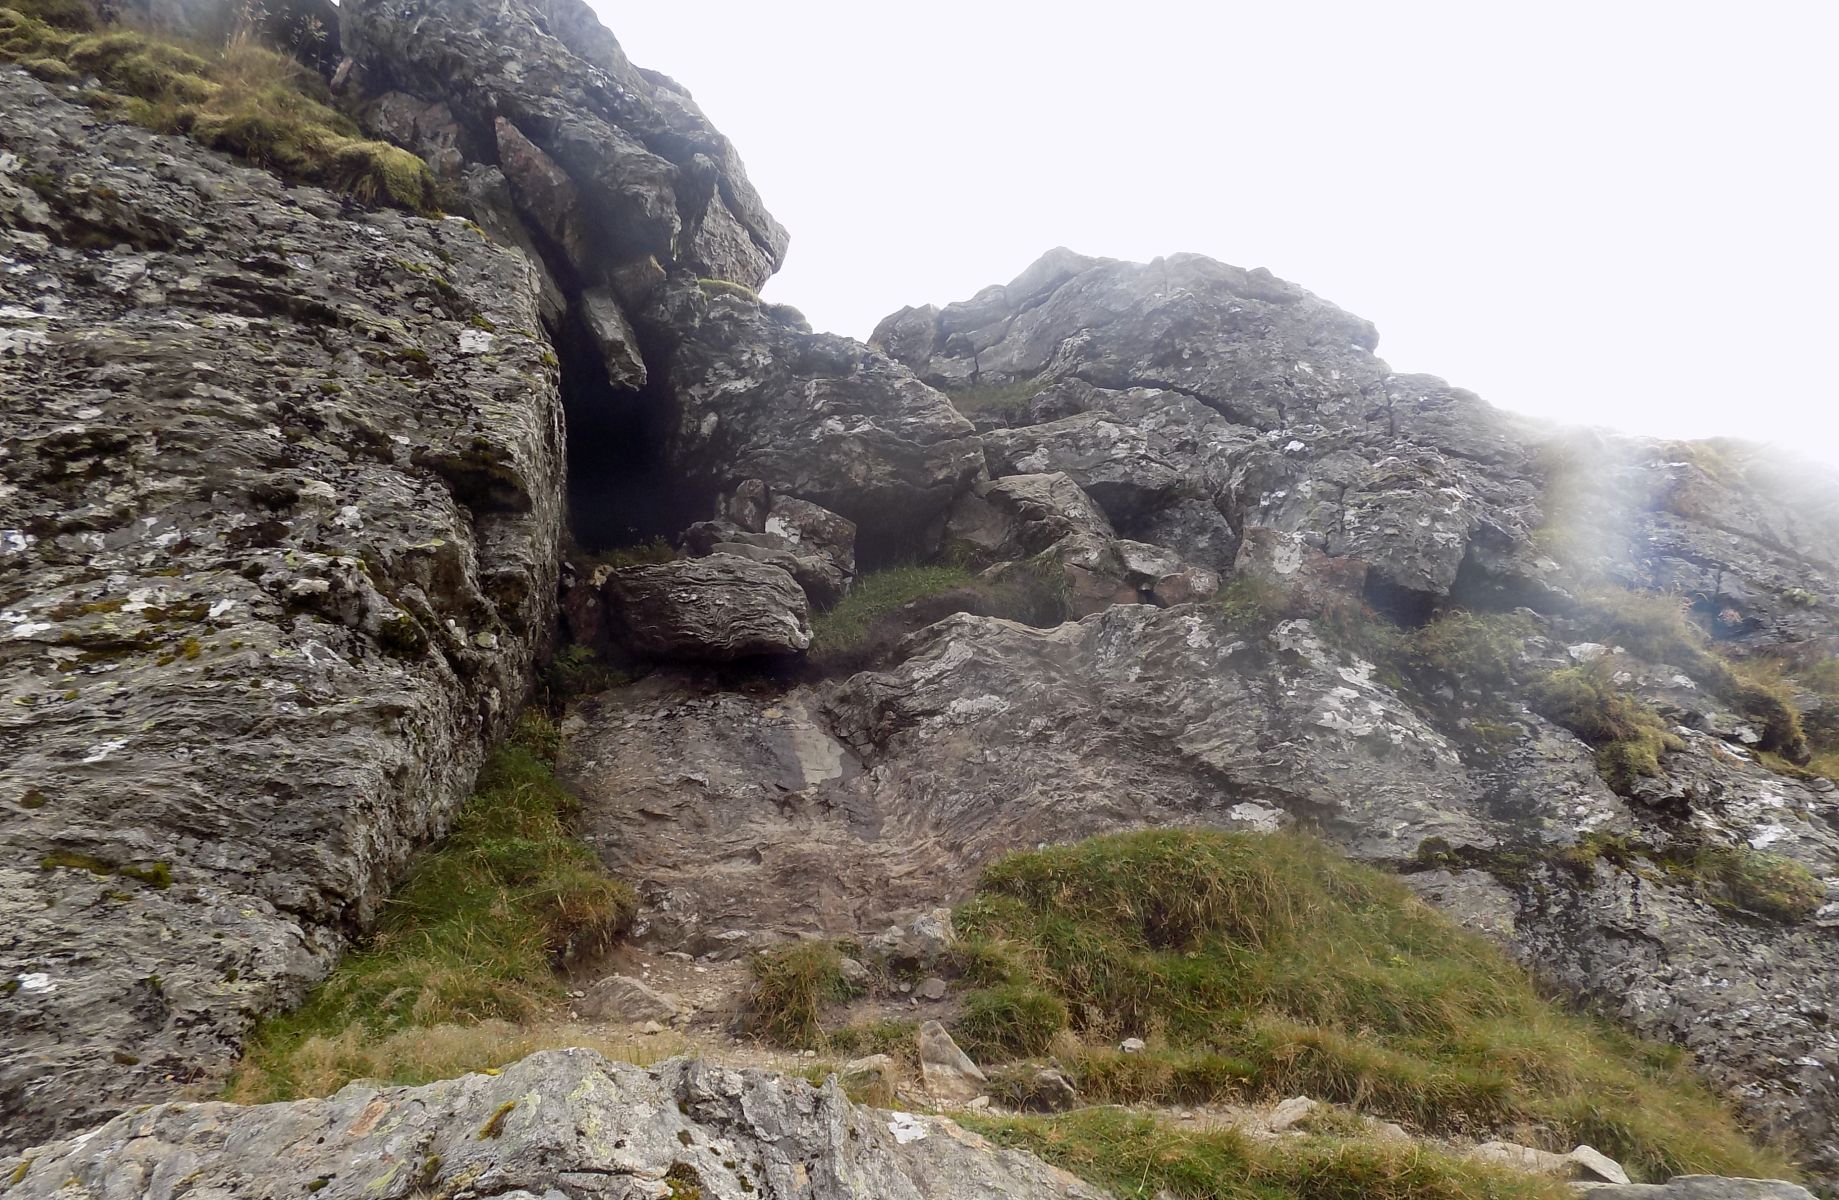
[884, 606]
[1768, 885]
[898, 1039]
[1138, 1157]
[1628, 734]
[793, 985]
[241, 98]
[1266, 966]
[474, 934]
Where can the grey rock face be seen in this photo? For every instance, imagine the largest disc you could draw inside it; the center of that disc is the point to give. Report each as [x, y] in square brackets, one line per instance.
[837, 809]
[642, 173]
[562, 1122]
[1022, 515]
[1186, 381]
[1749, 537]
[716, 608]
[278, 529]
[814, 416]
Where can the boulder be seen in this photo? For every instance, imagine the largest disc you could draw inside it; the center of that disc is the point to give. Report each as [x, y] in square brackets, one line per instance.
[1522, 1158]
[717, 608]
[1036, 1089]
[871, 1080]
[921, 944]
[613, 335]
[1584, 1164]
[623, 1000]
[947, 1072]
[1291, 1113]
[279, 523]
[545, 1126]
[814, 545]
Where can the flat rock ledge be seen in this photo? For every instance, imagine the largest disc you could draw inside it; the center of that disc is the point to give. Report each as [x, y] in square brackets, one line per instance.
[558, 1123]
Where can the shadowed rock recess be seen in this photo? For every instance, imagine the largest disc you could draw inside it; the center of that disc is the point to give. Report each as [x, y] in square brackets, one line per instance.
[285, 489]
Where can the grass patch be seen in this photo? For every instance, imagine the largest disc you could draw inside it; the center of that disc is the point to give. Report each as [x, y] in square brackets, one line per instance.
[1137, 1156]
[897, 1039]
[793, 985]
[1629, 736]
[323, 1063]
[851, 623]
[1008, 400]
[474, 934]
[241, 98]
[1766, 885]
[1266, 966]
[1013, 1020]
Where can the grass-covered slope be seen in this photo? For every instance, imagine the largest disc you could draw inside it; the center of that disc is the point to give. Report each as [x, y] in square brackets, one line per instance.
[473, 936]
[1266, 966]
[241, 98]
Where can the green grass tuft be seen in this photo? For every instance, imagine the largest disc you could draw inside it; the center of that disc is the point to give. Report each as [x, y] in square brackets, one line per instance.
[793, 985]
[1014, 1020]
[1266, 966]
[1755, 881]
[475, 933]
[852, 621]
[1629, 736]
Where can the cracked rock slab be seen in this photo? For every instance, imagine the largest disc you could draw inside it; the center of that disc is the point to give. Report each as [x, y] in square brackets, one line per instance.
[559, 1123]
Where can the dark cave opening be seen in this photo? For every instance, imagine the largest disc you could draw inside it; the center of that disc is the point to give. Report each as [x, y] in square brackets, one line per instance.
[620, 490]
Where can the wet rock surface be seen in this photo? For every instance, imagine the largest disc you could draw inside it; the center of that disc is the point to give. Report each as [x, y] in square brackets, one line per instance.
[279, 508]
[563, 1122]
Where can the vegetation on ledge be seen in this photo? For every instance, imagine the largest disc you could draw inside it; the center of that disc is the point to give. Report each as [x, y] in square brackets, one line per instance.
[472, 937]
[1266, 966]
[884, 606]
[1138, 1157]
[240, 98]
[1007, 400]
[1629, 736]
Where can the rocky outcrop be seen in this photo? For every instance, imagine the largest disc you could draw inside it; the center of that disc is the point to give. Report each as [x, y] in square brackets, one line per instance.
[1236, 418]
[809, 542]
[1703, 1187]
[1186, 379]
[564, 1122]
[1749, 537]
[280, 496]
[814, 416]
[836, 809]
[613, 166]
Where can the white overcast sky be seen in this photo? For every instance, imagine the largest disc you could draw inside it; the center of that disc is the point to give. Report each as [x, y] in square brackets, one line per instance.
[1618, 212]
